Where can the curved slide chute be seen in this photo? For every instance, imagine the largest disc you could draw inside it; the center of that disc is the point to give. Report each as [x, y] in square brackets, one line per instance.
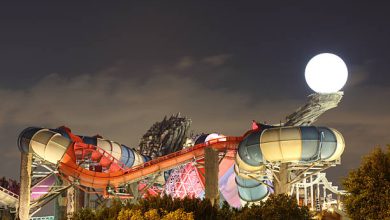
[114, 164]
[52, 144]
[303, 144]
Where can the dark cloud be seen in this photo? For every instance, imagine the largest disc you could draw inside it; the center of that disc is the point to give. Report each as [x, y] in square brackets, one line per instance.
[120, 67]
[185, 62]
[217, 60]
[122, 109]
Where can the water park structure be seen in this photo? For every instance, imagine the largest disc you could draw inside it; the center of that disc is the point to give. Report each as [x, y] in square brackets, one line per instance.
[288, 157]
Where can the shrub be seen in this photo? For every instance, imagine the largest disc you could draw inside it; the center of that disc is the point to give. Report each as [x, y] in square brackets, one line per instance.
[167, 208]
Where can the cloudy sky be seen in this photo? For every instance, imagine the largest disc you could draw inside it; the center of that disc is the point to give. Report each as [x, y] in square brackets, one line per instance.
[114, 68]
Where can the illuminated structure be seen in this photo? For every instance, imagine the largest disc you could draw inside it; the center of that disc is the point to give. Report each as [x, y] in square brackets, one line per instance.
[184, 181]
[284, 158]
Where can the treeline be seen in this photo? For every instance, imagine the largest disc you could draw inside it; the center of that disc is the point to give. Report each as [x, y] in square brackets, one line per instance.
[368, 187]
[167, 208]
[10, 184]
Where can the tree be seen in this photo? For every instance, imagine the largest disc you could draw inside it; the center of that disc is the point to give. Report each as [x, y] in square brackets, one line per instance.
[369, 187]
[84, 214]
[179, 214]
[152, 215]
[277, 207]
[283, 206]
[202, 209]
[130, 214]
[10, 184]
[168, 208]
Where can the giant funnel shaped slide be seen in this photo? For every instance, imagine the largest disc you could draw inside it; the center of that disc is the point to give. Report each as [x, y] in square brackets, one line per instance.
[61, 147]
[281, 144]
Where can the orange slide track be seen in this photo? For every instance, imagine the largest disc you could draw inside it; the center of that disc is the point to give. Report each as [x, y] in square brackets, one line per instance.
[99, 180]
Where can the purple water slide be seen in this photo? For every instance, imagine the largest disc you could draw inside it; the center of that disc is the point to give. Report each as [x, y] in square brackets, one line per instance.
[228, 187]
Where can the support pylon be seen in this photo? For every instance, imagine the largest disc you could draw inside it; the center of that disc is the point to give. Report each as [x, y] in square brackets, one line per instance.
[211, 175]
[25, 186]
[283, 186]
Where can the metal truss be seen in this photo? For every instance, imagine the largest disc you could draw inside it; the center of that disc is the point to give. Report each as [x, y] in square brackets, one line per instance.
[309, 188]
[40, 172]
[184, 181]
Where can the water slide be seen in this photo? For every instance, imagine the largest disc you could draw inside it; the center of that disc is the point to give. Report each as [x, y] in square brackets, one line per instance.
[113, 164]
[304, 144]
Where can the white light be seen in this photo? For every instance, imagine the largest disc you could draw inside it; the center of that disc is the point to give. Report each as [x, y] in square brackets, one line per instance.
[326, 73]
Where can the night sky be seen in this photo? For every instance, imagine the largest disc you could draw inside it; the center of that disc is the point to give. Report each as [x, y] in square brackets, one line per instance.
[115, 67]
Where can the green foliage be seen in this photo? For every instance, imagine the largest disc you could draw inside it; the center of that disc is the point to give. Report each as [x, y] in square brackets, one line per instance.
[167, 208]
[101, 213]
[10, 184]
[178, 215]
[153, 214]
[202, 209]
[84, 214]
[130, 214]
[369, 187]
[226, 212]
[276, 207]
[283, 207]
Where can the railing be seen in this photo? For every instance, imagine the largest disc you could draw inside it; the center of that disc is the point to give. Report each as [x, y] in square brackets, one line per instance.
[230, 143]
[79, 146]
[135, 173]
[9, 192]
[42, 218]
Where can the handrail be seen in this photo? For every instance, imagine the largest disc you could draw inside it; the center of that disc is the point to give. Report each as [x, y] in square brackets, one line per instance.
[42, 218]
[9, 192]
[103, 153]
[187, 150]
[143, 170]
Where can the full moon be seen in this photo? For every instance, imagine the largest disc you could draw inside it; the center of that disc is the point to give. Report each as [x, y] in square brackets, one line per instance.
[326, 73]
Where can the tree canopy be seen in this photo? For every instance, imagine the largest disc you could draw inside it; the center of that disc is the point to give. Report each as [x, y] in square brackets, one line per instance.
[10, 184]
[276, 207]
[369, 187]
[166, 208]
